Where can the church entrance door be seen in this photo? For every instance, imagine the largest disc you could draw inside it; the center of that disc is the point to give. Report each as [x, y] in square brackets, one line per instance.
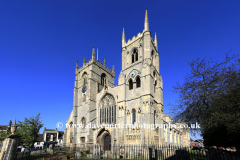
[107, 143]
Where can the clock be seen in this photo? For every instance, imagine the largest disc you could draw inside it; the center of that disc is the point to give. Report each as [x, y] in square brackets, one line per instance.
[133, 74]
[84, 88]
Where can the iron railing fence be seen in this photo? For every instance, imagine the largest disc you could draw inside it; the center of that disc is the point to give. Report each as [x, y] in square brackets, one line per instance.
[136, 152]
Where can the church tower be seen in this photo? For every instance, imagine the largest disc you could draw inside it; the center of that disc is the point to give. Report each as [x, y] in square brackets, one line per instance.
[90, 79]
[141, 83]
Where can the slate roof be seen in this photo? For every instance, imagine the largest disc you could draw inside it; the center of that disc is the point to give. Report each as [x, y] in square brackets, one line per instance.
[3, 127]
[40, 138]
[50, 129]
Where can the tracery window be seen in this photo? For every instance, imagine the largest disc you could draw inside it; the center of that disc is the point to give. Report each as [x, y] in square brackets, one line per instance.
[135, 55]
[103, 79]
[107, 109]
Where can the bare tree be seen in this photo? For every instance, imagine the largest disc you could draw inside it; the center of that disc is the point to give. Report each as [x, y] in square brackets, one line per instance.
[204, 84]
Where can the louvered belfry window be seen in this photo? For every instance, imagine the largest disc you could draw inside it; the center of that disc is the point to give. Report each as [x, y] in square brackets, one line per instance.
[107, 110]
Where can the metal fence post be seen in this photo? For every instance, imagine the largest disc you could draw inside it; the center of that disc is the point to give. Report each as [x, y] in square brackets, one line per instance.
[150, 153]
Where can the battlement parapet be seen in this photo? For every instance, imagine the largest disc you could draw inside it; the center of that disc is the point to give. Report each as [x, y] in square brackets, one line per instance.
[134, 38]
[99, 64]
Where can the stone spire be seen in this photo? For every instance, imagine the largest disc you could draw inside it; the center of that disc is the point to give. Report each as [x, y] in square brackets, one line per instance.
[104, 62]
[155, 41]
[123, 38]
[84, 61]
[10, 123]
[93, 53]
[146, 24]
[14, 124]
[76, 64]
[113, 68]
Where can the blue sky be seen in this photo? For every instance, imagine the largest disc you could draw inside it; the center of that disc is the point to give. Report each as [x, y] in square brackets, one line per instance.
[40, 42]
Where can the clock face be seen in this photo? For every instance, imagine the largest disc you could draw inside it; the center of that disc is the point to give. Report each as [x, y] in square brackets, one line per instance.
[133, 73]
[84, 88]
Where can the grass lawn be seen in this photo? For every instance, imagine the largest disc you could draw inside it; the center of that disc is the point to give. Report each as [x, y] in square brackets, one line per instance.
[44, 155]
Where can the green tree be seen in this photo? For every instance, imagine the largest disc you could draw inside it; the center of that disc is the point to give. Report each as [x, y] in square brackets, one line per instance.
[28, 131]
[222, 128]
[201, 87]
[3, 135]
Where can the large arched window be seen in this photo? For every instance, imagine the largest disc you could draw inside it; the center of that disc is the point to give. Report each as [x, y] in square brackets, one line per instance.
[133, 116]
[138, 82]
[130, 84]
[103, 79]
[108, 109]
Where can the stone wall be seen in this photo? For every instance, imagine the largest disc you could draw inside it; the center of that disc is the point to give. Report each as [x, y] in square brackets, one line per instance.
[9, 148]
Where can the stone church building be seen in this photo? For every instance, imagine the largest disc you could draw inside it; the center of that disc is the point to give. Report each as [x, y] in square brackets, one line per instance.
[137, 99]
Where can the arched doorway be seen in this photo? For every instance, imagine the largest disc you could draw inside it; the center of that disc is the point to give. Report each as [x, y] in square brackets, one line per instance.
[107, 142]
[104, 140]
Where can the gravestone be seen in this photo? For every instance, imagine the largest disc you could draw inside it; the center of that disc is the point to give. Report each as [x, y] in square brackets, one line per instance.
[105, 155]
[96, 151]
[89, 156]
[78, 155]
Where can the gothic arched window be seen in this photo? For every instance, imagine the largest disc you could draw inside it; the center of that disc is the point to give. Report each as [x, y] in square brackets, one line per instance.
[138, 82]
[84, 78]
[133, 116]
[107, 109]
[103, 79]
[83, 123]
[130, 84]
[136, 54]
